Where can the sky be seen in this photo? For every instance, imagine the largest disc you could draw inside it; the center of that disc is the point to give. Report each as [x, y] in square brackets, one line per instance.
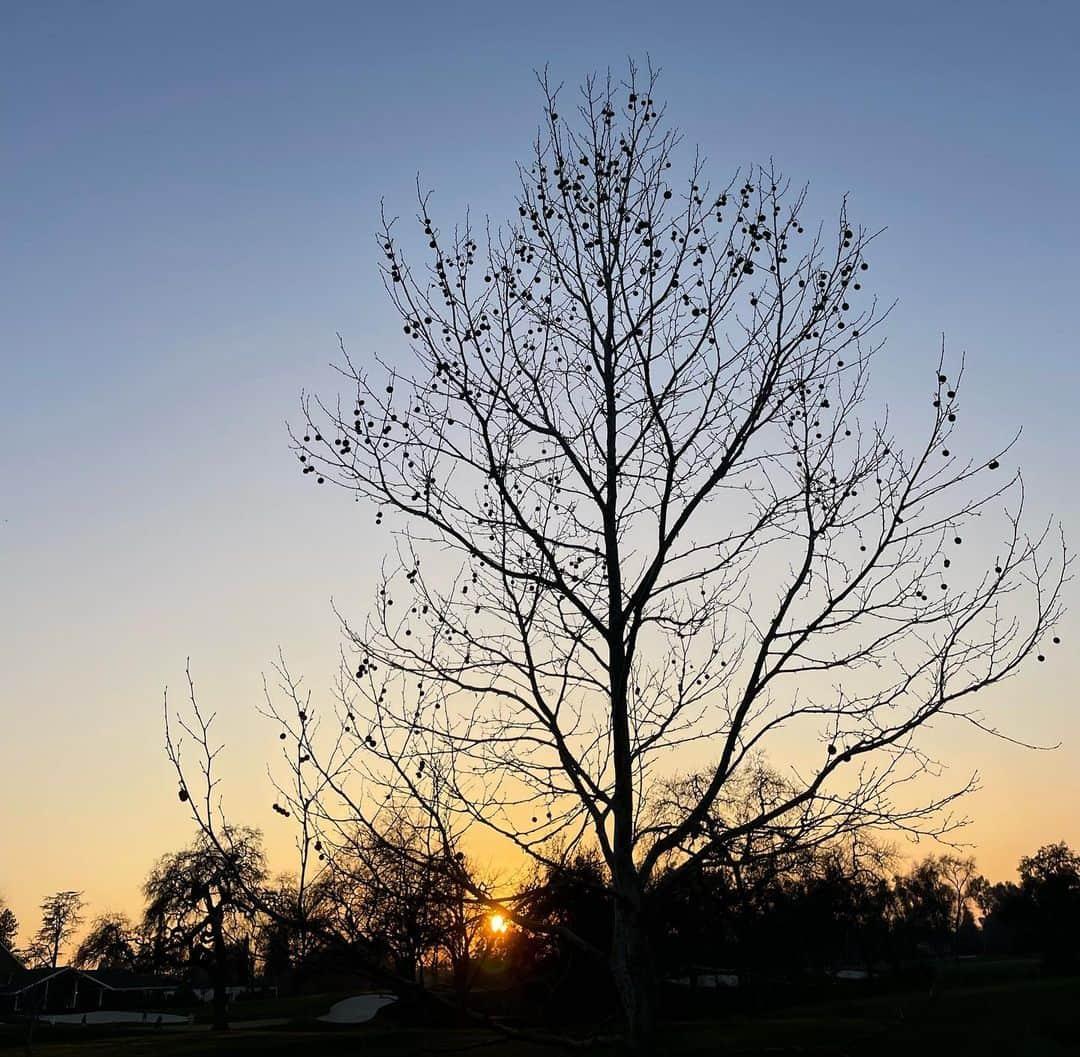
[189, 203]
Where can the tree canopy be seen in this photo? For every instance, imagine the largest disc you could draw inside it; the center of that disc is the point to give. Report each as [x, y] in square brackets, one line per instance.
[643, 502]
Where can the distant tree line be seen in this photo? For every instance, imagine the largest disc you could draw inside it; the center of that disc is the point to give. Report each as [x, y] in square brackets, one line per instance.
[771, 913]
[811, 913]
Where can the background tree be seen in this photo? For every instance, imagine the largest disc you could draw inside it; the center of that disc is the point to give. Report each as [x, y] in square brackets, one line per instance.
[293, 928]
[61, 916]
[965, 883]
[1050, 883]
[394, 887]
[112, 943]
[933, 904]
[199, 905]
[1006, 924]
[837, 907]
[464, 935]
[570, 894]
[804, 887]
[1041, 914]
[9, 926]
[638, 416]
[777, 908]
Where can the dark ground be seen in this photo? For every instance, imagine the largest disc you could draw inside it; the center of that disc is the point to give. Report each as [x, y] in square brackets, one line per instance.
[986, 1010]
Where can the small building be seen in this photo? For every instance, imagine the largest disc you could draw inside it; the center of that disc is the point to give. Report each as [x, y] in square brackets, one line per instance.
[9, 965]
[122, 989]
[30, 992]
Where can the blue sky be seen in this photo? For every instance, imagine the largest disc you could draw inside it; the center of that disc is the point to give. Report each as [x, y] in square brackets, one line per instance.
[189, 199]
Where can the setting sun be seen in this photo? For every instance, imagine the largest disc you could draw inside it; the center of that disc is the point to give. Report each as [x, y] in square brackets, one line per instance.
[497, 923]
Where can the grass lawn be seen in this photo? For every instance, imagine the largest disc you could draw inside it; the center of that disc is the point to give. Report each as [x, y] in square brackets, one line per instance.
[994, 1018]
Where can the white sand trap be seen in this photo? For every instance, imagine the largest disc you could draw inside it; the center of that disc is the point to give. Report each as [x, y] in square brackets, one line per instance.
[116, 1016]
[357, 1010]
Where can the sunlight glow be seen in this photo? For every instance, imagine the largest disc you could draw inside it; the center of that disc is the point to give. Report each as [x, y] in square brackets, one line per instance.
[497, 923]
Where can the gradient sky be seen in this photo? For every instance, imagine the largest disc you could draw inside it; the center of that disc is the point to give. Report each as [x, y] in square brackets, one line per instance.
[189, 198]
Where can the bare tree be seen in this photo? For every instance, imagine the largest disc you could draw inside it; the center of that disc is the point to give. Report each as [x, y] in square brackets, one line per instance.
[965, 882]
[777, 842]
[390, 887]
[465, 933]
[294, 928]
[639, 418]
[61, 915]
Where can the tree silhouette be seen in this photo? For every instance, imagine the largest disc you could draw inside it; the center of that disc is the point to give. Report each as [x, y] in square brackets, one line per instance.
[1041, 913]
[965, 882]
[570, 892]
[464, 935]
[295, 927]
[111, 943]
[9, 926]
[642, 503]
[197, 897]
[925, 908]
[61, 915]
[391, 889]
[1050, 884]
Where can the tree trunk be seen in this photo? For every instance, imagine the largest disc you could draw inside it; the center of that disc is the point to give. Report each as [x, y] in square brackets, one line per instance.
[220, 971]
[460, 970]
[633, 971]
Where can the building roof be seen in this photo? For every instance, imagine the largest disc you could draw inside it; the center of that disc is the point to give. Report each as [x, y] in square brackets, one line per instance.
[9, 962]
[125, 980]
[28, 978]
[109, 979]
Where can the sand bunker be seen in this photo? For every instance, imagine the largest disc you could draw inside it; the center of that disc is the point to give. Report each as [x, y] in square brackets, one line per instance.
[358, 1009]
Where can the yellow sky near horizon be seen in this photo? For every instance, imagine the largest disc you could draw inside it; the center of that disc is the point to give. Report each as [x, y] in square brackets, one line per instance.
[1020, 806]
